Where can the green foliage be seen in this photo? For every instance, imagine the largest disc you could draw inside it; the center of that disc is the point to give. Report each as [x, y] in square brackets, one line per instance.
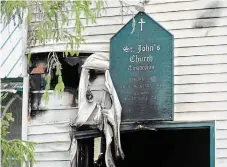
[52, 18]
[14, 152]
[53, 63]
[48, 20]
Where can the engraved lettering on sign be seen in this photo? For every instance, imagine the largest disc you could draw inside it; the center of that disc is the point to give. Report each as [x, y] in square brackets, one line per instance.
[138, 86]
[142, 48]
[125, 86]
[140, 68]
[136, 79]
[152, 79]
[127, 49]
[140, 98]
[148, 48]
[138, 59]
[141, 93]
[139, 79]
[135, 82]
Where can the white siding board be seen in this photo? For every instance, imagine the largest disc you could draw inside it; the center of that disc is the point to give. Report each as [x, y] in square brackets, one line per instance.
[52, 164]
[201, 97]
[170, 25]
[198, 116]
[221, 153]
[203, 78]
[199, 60]
[167, 7]
[183, 6]
[202, 41]
[54, 116]
[201, 107]
[51, 128]
[60, 101]
[221, 134]
[112, 28]
[178, 34]
[203, 50]
[200, 88]
[115, 4]
[222, 125]
[46, 138]
[150, 9]
[200, 69]
[195, 32]
[52, 146]
[183, 42]
[186, 15]
[117, 18]
[221, 143]
[104, 47]
[52, 156]
[193, 40]
[221, 162]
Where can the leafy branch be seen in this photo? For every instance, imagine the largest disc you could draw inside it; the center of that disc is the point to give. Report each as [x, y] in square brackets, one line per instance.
[14, 152]
[53, 63]
[47, 21]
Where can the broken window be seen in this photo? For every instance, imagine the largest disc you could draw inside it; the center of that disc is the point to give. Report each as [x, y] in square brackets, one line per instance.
[71, 67]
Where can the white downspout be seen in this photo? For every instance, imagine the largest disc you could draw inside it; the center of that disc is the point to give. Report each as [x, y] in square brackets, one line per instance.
[25, 83]
[25, 102]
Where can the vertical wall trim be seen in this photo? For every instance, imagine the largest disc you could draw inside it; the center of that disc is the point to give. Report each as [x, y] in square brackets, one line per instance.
[212, 145]
[25, 81]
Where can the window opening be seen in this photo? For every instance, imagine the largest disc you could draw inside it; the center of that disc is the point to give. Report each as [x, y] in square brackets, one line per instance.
[71, 68]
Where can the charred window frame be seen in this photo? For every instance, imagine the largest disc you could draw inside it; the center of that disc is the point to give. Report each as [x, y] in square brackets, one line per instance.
[71, 68]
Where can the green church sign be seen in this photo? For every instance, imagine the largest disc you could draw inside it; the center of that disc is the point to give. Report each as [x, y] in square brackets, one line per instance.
[141, 67]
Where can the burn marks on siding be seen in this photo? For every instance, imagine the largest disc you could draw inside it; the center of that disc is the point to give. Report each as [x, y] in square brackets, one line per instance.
[209, 17]
[71, 68]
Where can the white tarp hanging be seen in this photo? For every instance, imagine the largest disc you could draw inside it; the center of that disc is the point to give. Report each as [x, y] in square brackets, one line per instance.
[99, 105]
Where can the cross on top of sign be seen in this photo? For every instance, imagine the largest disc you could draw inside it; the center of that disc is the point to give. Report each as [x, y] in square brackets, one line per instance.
[141, 22]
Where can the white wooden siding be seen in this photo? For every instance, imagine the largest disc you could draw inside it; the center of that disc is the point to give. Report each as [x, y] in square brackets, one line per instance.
[53, 163]
[49, 129]
[200, 74]
[52, 140]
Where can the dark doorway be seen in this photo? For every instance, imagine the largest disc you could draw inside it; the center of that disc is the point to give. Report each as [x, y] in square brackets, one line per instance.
[165, 144]
[166, 148]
